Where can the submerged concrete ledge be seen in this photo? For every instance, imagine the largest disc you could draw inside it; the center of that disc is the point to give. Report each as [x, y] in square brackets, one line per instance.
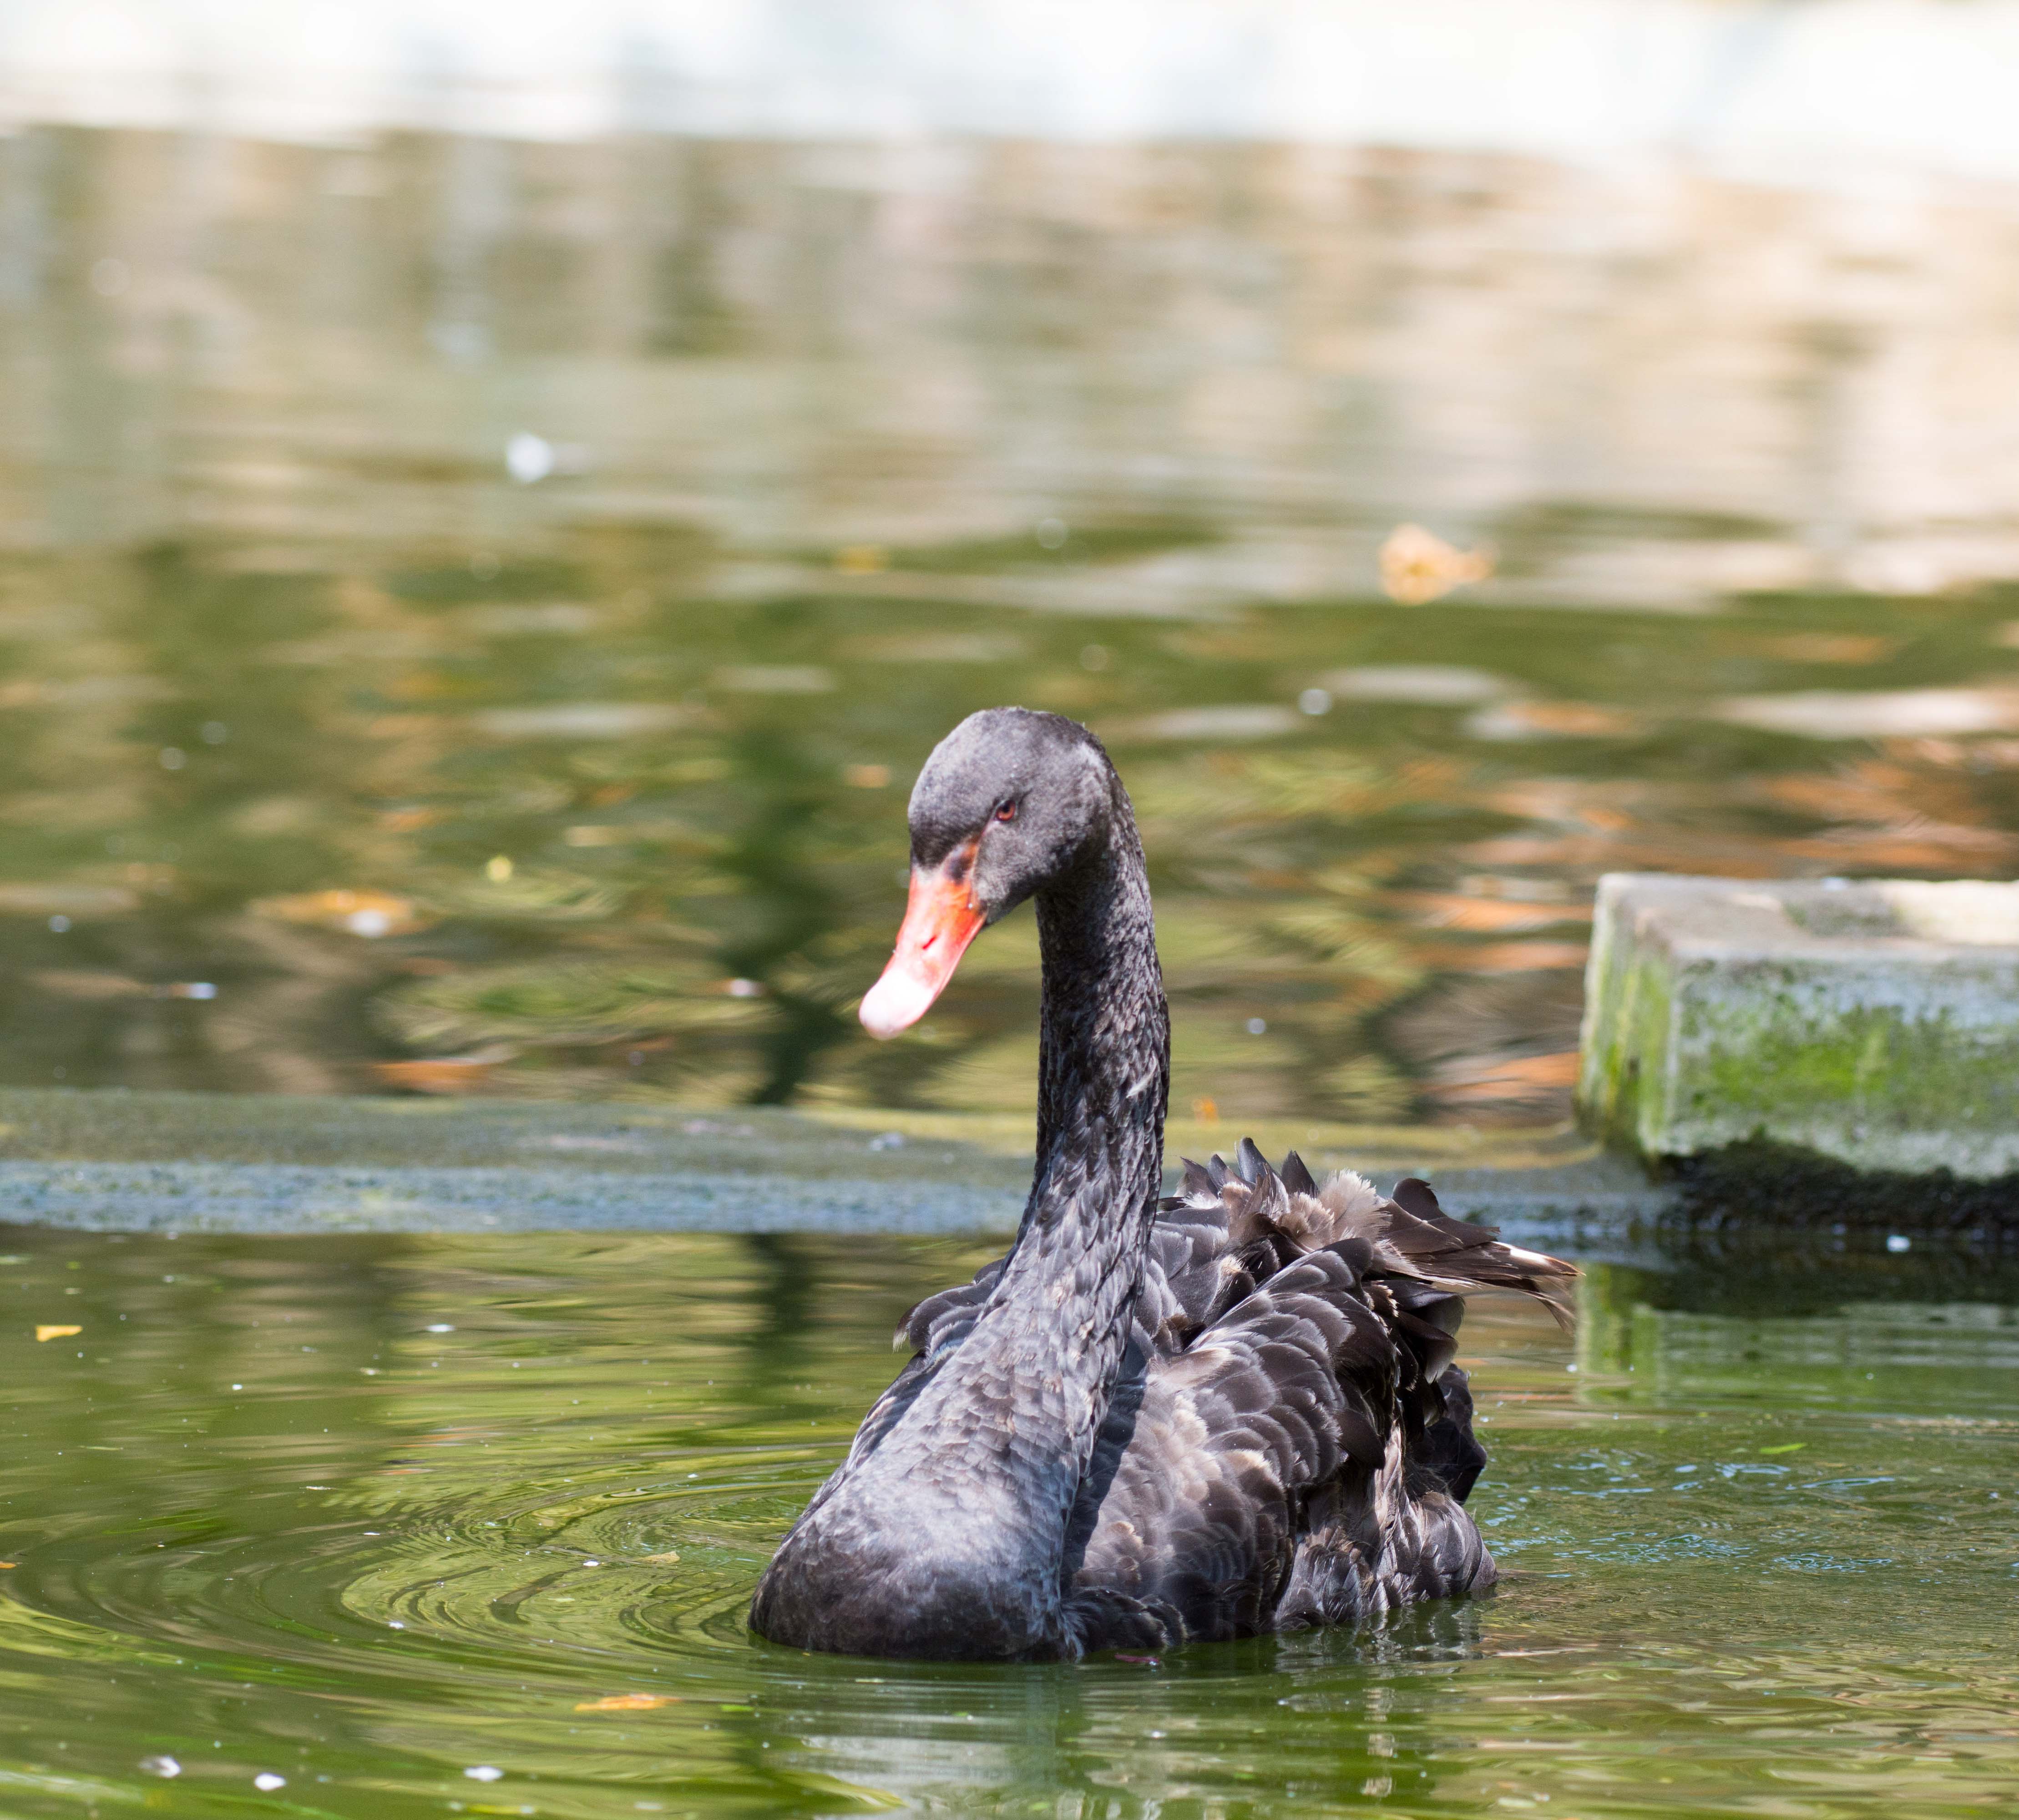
[277, 1197]
[112, 1161]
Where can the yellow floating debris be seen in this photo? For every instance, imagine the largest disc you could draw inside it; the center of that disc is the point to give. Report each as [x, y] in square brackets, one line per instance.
[1417, 565]
[446, 1074]
[43, 1333]
[370, 914]
[629, 1703]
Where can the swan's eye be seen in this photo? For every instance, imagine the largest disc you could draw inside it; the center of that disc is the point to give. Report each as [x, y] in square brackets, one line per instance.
[1006, 812]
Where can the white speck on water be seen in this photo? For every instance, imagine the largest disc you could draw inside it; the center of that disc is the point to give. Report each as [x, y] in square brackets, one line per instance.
[1051, 533]
[1258, 1026]
[238, 1387]
[529, 459]
[1898, 1242]
[394, 1624]
[441, 1327]
[592, 1564]
[1315, 702]
[59, 924]
[370, 924]
[485, 1772]
[887, 1140]
[166, 1766]
[173, 758]
[268, 1781]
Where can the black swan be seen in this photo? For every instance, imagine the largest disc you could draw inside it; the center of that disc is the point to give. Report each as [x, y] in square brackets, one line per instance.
[1231, 1411]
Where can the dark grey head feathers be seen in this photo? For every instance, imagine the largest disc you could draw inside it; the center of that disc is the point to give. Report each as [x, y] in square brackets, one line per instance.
[1033, 792]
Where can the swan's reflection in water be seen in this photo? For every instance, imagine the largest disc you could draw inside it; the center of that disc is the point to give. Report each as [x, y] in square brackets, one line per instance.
[1755, 1556]
[1330, 1719]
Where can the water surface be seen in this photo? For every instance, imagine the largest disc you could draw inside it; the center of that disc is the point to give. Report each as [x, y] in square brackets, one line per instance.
[370, 1514]
[470, 612]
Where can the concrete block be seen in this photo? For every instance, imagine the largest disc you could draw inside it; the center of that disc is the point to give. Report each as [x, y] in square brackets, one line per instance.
[1876, 1021]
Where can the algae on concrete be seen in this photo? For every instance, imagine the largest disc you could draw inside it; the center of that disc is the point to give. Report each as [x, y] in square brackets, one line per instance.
[1874, 1022]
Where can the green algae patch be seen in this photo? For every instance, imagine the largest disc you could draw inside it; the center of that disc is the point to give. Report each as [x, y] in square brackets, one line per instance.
[1875, 1024]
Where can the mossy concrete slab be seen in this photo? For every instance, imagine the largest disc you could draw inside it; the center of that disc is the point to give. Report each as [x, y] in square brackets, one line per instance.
[111, 1160]
[1876, 1022]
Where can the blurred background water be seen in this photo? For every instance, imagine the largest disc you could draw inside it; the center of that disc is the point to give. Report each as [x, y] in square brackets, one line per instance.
[494, 508]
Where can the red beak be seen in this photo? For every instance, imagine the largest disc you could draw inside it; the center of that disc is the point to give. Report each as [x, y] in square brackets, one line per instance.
[940, 921]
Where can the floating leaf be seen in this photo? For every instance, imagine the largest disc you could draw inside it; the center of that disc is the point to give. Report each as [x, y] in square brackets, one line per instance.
[627, 1702]
[444, 1075]
[42, 1333]
[370, 914]
[1418, 566]
[1785, 1446]
[666, 1560]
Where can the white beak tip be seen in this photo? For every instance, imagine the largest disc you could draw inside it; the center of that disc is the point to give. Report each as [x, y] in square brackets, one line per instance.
[895, 1002]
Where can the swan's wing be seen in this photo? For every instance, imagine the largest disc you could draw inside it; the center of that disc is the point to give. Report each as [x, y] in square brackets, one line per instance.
[1252, 1219]
[1199, 1522]
[932, 1330]
[1300, 1446]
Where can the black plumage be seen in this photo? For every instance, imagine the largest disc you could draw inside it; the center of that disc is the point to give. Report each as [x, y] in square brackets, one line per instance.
[1231, 1410]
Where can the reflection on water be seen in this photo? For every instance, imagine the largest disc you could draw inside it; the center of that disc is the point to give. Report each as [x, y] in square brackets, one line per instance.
[370, 1515]
[469, 612]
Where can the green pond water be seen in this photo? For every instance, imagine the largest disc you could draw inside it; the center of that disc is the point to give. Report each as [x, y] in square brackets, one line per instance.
[469, 614]
[436, 1525]
[483, 603]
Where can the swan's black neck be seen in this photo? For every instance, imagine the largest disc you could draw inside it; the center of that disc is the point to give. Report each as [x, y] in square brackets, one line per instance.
[947, 1536]
[1103, 1047]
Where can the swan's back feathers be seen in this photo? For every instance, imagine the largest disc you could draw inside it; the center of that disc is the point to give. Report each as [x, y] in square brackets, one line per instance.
[1198, 1523]
[1299, 1443]
[1288, 1441]
[1405, 1234]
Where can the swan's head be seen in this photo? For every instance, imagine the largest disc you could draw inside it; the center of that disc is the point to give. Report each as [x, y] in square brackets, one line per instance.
[1009, 802]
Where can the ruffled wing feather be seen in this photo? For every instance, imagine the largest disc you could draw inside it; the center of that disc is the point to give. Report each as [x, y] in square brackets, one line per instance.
[1288, 1442]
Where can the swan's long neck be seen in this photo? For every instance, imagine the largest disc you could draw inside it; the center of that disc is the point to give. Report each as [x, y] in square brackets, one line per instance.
[947, 1537]
[1104, 1077]
[1021, 1402]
